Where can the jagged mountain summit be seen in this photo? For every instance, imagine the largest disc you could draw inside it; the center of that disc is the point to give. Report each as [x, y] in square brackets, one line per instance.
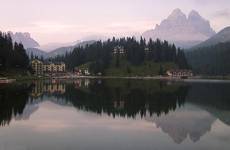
[24, 38]
[200, 24]
[184, 31]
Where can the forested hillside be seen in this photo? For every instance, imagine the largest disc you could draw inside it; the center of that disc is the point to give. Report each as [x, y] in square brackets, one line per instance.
[100, 56]
[213, 60]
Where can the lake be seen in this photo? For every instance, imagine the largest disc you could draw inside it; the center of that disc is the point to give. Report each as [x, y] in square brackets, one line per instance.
[114, 114]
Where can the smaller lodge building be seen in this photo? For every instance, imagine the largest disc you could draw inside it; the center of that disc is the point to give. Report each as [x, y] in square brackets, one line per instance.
[180, 73]
[81, 71]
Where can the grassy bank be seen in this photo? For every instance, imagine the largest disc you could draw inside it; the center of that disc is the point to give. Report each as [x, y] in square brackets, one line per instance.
[125, 69]
[18, 74]
[145, 69]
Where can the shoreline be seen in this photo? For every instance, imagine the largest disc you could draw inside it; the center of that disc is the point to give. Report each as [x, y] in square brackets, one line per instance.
[163, 78]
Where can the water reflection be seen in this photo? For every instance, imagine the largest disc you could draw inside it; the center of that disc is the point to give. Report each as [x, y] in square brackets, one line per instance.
[188, 122]
[13, 100]
[183, 111]
[116, 98]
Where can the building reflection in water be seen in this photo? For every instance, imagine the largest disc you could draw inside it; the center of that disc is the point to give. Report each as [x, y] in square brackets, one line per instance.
[42, 87]
[79, 83]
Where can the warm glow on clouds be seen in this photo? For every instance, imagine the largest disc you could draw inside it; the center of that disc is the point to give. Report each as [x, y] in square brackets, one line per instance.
[43, 30]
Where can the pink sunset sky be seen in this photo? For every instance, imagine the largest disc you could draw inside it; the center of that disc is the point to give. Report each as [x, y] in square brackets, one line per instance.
[70, 20]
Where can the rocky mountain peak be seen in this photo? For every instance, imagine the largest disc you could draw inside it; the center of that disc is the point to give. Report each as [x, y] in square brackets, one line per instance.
[200, 24]
[182, 30]
[24, 38]
[194, 14]
[177, 13]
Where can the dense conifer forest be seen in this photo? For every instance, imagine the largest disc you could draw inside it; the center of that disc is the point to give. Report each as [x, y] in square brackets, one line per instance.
[12, 55]
[100, 55]
[212, 60]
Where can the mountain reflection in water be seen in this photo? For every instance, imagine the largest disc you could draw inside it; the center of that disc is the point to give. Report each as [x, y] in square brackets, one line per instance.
[181, 110]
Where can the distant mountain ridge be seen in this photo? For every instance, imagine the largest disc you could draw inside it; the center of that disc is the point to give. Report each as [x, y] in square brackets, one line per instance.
[184, 31]
[59, 51]
[36, 52]
[63, 50]
[221, 37]
[24, 38]
[52, 46]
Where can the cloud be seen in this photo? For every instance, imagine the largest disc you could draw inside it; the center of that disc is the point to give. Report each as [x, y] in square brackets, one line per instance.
[48, 30]
[220, 19]
[109, 27]
[210, 2]
[222, 13]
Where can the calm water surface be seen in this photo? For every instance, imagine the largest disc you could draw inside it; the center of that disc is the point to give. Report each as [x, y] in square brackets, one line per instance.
[114, 115]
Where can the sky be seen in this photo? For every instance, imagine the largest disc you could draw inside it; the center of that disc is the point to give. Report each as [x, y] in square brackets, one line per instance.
[61, 21]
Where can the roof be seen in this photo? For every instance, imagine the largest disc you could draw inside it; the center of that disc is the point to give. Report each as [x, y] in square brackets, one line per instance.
[36, 60]
[180, 70]
[55, 63]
